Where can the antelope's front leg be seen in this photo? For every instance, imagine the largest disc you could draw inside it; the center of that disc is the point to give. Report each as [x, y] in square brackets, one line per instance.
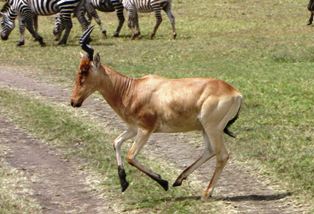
[140, 141]
[117, 147]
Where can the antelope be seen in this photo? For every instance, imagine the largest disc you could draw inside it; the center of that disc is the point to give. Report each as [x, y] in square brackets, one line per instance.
[154, 104]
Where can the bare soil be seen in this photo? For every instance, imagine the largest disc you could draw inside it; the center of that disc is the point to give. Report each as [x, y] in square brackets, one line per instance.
[239, 186]
[58, 183]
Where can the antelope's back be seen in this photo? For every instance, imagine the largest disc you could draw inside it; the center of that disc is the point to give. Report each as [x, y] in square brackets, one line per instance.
[177, 102]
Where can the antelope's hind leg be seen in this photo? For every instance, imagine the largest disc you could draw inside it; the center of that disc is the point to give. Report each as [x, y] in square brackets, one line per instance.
[207, 154]
[140, 141]
[222, 156]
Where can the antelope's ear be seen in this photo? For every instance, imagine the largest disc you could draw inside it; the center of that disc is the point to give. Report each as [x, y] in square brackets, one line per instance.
[1, 14]
[96, 61]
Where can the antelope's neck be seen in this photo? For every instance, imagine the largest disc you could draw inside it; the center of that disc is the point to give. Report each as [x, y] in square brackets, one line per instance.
[115, 87]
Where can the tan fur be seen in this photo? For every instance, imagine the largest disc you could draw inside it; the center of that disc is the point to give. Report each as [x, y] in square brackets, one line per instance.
[156, 104]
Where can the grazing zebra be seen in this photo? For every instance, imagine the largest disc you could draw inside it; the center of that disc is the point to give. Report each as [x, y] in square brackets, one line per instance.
[11, 15]
[89, 8]
[142, 6]
[310, 7]
[26, 9]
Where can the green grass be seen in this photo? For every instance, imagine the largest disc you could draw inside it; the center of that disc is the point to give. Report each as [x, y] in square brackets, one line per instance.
[83, 138]
[264, 48]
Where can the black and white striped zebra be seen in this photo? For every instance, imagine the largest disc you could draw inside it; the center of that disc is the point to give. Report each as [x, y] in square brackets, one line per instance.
[144, 6]
[26, 9]
[89, 8]
[9, 15]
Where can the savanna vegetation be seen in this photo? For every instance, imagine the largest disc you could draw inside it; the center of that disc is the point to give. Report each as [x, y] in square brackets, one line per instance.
[263, 48]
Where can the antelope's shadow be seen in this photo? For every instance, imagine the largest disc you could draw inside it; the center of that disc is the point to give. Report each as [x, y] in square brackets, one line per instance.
[251, 197]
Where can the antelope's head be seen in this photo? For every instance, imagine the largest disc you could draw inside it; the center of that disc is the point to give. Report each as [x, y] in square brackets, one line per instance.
[7, 25]
[86, 81]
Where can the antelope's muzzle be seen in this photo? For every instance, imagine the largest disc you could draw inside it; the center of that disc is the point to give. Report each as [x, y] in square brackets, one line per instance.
[76, 104]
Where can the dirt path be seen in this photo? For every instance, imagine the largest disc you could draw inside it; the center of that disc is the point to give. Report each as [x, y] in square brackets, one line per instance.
[58, 184]
[240, 187]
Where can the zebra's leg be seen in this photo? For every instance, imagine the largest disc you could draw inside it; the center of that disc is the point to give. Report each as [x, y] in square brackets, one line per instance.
[57, 30]
[89, 18]
[66, 24]
[170, 15]
[93, 13]
[21, 42]
[310, 19]
[157, 12]
[80, 15]
[119, 11]
[36, 23]
[30, 27]
[133, 24]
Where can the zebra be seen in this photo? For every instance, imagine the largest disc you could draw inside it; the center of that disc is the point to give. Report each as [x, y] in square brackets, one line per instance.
[90, 7]
[26, 9]
[11, 13]
[142, 6]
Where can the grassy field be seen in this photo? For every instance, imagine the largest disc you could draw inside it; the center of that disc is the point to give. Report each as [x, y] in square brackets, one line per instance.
[264, 48]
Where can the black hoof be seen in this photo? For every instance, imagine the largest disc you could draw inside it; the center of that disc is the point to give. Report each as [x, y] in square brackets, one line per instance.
[136, 36]
[122, 176]
[62, 43]
[19, 44]
[177, 183]
[124, 185]
[104, 33]
[164, 184]
[116, 34]
[43, 44]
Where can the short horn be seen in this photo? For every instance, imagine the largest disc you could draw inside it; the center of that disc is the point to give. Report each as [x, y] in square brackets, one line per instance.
[84, 41]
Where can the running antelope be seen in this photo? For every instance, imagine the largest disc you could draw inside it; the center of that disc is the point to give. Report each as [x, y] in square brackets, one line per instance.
[155, 104]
